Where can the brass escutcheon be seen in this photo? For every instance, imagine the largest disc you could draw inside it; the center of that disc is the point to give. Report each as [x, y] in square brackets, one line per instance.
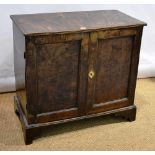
[91, 74]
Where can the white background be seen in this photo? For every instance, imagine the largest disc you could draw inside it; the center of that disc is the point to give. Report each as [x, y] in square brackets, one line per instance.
[145, 13]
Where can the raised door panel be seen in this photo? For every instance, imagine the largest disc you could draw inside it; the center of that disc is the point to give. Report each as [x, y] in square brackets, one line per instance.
[58, 76]
[59, 71]
[110, 58]
[113, 69]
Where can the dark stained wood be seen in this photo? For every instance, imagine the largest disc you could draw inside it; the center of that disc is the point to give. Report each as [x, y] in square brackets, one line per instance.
[134, 64]
[31, 77]
[30, 131]
[83, 74]
[72, 66]
[115, 56]
[129, 114]
[73, 21]
[19, 65]
[91, 63]
[60, 74]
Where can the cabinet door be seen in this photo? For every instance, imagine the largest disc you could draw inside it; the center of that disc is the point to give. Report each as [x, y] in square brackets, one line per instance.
[113, 62]
[60, 73]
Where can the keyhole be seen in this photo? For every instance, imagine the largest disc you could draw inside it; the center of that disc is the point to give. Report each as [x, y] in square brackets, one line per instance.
[91, 74]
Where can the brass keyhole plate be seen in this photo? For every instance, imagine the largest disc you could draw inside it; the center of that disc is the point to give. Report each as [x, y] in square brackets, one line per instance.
[91, 74]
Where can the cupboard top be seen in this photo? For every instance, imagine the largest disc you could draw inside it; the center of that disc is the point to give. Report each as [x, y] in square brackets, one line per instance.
[31, 24]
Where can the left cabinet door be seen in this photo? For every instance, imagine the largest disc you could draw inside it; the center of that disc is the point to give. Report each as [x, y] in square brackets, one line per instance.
[59, 84]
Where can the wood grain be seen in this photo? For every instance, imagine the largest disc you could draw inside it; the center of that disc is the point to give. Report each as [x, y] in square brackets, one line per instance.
[57, 76]
[60, 51]
[112, 79]
[63, 22]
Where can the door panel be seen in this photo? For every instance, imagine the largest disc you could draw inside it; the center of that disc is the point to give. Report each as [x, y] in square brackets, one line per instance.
[57, 67]
[110, 59]
[112, 69]
[58, 76]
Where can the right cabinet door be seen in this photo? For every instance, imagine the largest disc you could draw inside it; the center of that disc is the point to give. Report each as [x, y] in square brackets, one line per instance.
[113, 63]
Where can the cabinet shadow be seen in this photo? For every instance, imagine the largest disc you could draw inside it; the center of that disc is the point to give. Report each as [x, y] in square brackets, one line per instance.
[78, 125]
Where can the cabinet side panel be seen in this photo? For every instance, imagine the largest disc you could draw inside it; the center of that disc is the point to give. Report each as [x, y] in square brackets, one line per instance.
[19, 65]
[113, 69]
[134, 64]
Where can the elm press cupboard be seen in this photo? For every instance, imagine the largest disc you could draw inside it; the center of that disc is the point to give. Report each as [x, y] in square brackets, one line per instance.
[74, 65]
